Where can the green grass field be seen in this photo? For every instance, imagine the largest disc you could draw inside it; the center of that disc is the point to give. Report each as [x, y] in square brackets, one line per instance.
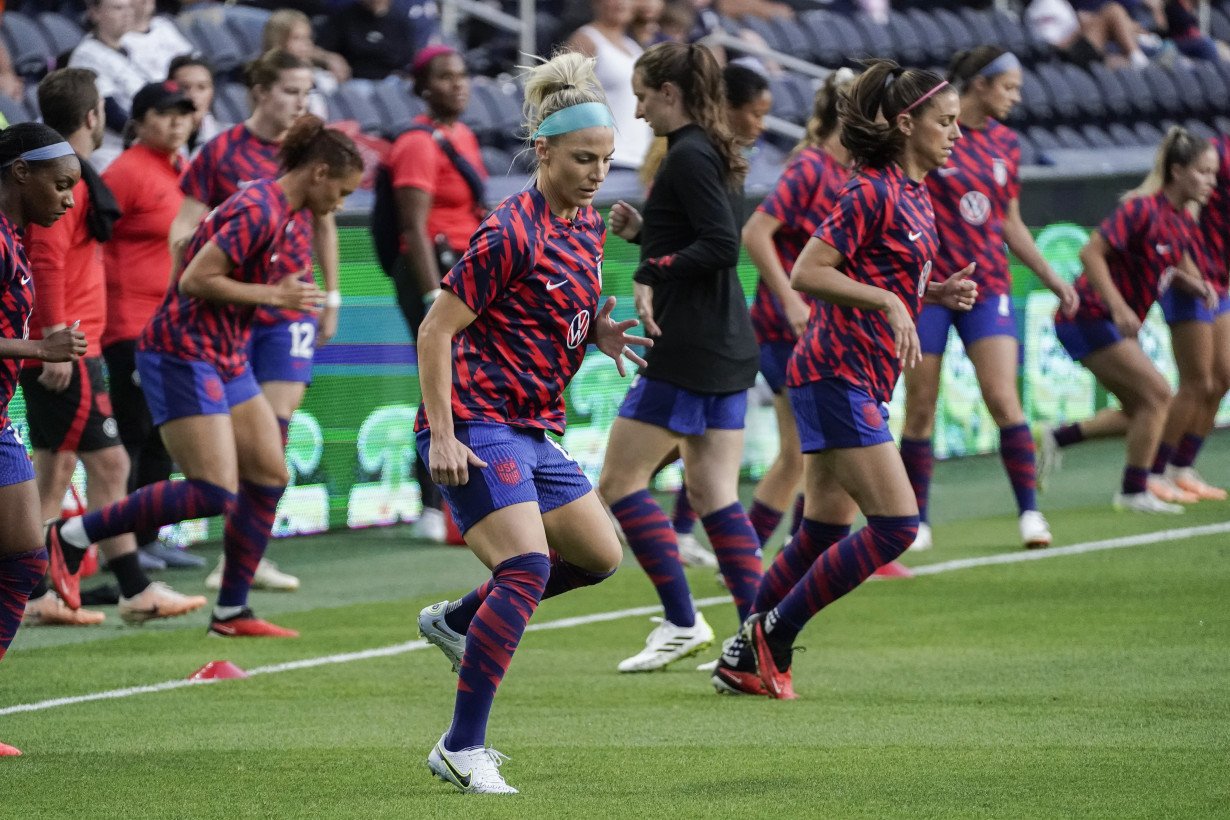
[1094, 684]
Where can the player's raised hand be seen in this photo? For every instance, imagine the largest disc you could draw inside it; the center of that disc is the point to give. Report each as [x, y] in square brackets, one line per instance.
[624, 220]
[450, 461]
[612, 337]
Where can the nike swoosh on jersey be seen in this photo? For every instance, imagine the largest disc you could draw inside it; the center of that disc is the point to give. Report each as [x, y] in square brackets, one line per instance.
[1163, 248]
[914, 236]
[25, 280]
[554, 285]
[947, 172]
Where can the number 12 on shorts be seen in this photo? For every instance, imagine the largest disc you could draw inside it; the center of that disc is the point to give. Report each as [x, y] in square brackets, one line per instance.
[302, 339]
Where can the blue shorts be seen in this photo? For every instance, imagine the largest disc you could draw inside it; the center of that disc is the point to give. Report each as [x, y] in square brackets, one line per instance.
[283, 351]
[522, 465]
[774, 358]
[177, 388]
[833, 414]
[1081, 338]
[15, 466]
[1180, 306]
[682, 411]
[993, 316]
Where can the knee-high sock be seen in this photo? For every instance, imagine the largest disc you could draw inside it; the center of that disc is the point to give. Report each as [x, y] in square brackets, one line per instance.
[152, 506]
[795, 559]
[19, 574]
[796, 516]
[564, 577]
[1016, 449]
[244, 539]
[1189, 447]
[490, 642]
[919, 460]
[684, 517]
[738, 554]
[841, 568]
[764, 520]
[653, 543]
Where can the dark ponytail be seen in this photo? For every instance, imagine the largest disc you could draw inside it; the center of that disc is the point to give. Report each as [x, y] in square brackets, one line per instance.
[965, 65]
[310, 141]
[869, 108]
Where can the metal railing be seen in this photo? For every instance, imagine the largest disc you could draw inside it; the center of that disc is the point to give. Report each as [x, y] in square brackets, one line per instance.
[524, 24]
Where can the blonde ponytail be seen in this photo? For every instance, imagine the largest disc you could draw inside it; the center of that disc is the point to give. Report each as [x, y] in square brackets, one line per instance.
[567, 79]
[1179, 147]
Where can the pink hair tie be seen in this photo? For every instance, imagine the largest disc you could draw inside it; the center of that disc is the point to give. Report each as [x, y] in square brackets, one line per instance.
[924, 98]
[428, 54]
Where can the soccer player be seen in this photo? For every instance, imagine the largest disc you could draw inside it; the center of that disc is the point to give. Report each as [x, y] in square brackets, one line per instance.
[68, 408]
[38, 171]
[496, 351]
[868, 265]
[692, 394]
[1138, 253]
[975, 197]
[283, 341]
[193, 362]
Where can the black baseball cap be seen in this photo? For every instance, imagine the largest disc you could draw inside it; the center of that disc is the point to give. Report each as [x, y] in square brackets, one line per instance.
[163, 97]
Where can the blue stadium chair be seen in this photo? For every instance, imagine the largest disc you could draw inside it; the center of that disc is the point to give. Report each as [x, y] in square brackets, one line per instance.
[1029, 154]
[1111, 91]
[1097, 138]
[247, 24]
[1123, 136]
[766, 30]
[786, 36]
[232, 103]
[397, 104]
[1219, 23]
[1215, 87]
[32, 56]
[209, 34]
[32, 101]
[959, 34]
[835, 40]
[1191, 89]
[1170, 100]
[1035, 100]
[13, 110]
[1200, 128]
[905, 41]
[61, 33]
[1013, 36]
[1139, 93]
[1223, 124]
[494, 113]
[353, 98]
[792, 97]
[982, 26]
[878, 37]
[1148, 134]
[1069, 137]
[1086, 90]
[1063, 99]
[931, 34]
[497, 162]
[1043, 140]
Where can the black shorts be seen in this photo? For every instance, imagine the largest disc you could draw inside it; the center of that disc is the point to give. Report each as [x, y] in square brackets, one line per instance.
[77, 420]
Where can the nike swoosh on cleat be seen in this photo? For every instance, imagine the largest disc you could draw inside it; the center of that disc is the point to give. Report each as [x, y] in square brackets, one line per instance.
[463, 779]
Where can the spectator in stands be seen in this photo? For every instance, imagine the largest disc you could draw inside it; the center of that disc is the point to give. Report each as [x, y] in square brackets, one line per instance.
[437, 175]
[375, 41]
[68, 407]
[137, 260]
[424, 17]
[195, 77]
[607, 39]
[766, 9]
[1082, 30]
[10, 84]
[748, 102]
[154, 41]
[291, 31]
[1183, 27]
[644, 28]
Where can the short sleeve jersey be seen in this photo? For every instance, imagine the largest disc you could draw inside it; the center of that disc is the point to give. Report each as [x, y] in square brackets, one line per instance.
[416, 161]
[970, 196]
[1215, 218]
[804, 195]
[254, 229]
[884, 228]
[230, 162]
[16, 303]
[1147, 237]
[534, 281]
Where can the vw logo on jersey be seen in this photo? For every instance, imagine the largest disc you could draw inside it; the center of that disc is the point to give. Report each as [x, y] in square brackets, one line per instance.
[975, 208]
[578, 330]
[1168, 275]
[924, 278]
[999, 168]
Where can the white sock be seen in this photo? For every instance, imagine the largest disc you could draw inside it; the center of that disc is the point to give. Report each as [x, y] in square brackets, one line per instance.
[73, 533]
[223, 613]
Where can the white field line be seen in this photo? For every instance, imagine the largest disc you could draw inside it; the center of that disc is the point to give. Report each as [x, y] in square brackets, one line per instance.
[600, 617]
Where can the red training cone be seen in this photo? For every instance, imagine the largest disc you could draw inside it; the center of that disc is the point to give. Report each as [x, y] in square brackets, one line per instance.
[893, 569]
[218, 670]
[9, 751]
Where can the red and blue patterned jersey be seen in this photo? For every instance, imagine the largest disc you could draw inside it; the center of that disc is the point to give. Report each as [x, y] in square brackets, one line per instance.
[254, 229]
[1215, 218]
[884, 228]
[1201, 249]
[1147, 237]
[534, 280]
[804, 195]
[227, 164]
[970, 196]
[16, 302]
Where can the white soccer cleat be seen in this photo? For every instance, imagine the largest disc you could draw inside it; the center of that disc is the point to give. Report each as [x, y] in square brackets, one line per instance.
[711, 666]
[1049, 456]
[1145, 502]
[668, 643]
[436, 631]
[693, 553]
[922, 541]
[267, 577]
[1166, 490]
[1035, 532]
[476, 771]
[430, 526]
[157, 601]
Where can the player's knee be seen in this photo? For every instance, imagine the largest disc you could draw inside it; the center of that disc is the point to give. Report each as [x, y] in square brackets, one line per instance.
[892, 534]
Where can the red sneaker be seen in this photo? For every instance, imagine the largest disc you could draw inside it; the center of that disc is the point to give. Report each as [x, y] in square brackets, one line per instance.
[777, 682]
[9, 751]
[247, 625]
[66, 583]
[727, 681]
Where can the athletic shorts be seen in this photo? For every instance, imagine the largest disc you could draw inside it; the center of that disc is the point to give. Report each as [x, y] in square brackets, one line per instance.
[681, 411]
[283, 351]
[15, 466]
[833, 414]
[1181, 306]
[522, 465]
[774, 357]
[1083, 337]
[993, 316]
[78, 419]
[177, 388]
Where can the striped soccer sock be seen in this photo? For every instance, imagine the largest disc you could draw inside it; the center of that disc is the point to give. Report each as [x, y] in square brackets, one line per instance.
[245, 538]
[652, 541]
[919, 460]
[737, 548]
[795, 559]
[20, 573]
[1016, 450]
[764, 520]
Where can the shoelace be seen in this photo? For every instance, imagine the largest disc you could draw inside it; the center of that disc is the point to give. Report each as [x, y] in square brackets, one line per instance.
[492, 776]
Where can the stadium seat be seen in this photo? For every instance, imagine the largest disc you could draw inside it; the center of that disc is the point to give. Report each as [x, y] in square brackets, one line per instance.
[1035, 99]
[13, 110]
[1219, 24]
[958, 32]
[787, 36]
[934, 39]
[232, 103]
[1223, 124]
[1111, 92]
[498, 163]
[494, 113]
[1029, 154]
[835, 40]
[1063, 99]
[1200, 128]
[61, 33]
[29, 51]
[209, 34]
[1043, 139]
[981, 25]
[354, 100]
[905, 42]
[1086, 90]
[1191, 89]
[1013, 36]
[1096, 137]
[1122, 135]
[1216, 89]
[878, 37]
[1148, 134]
[1139, 92]
[32, 101]
[247, 24]
[397, 104]
[792, 97]
[1069, 137]
[1165, 90]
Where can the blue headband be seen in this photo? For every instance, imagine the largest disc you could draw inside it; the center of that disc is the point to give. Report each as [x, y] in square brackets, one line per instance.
[574, 118]
[53, 151]
[1004, 62]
